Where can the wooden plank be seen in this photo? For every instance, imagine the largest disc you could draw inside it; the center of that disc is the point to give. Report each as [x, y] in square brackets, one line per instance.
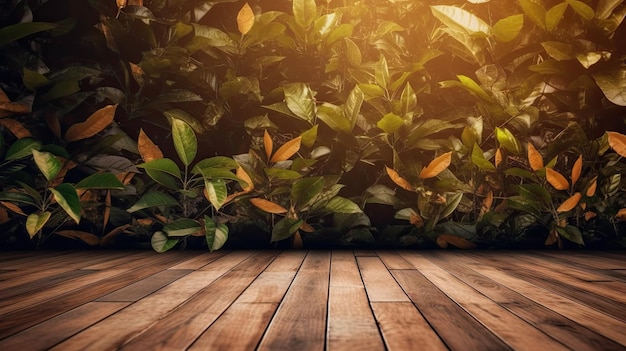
[599, 322]
[404, 328]
[586, 260]
[221, 264]
[49, 333]
[200, 260]
[181, 327]
[272, 284]
[300, 321]
[379, 284]
[127, 258]
[365, 253]
[560, 328]
[513, 330]
[140, 289]
[33, 278]
[392, 260]
[455, 326]
[351, 324]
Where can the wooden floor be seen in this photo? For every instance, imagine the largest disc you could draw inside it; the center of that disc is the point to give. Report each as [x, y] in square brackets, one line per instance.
[313, 300]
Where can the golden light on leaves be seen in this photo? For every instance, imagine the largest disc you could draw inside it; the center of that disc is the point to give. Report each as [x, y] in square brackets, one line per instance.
[591, 189]
[93, 125]
[556, 179]
[534, 158]
[306, 227]
[617, 142]
[444, 239]
[287, 150]
[498, 159]
[570, 203]
[436, 166]
[396, 178]
[245, 19]
[268, 144]
[577, 169]
[243, 175]
[268, 206]
[621, 215]
[15, 127]
[147, 149]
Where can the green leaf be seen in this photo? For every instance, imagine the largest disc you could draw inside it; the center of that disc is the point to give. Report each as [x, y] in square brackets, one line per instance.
[390, 123]
[606, 7]
[582, 9]
[554, 16]
[535, 12]
[334, 118]
[306, 189]
[452, 202]
[612, 84]
[182, 227]
[519, 172]
[371, 90]
[216, 234]
[162, 165]
[479, 160]
[59, 90]
[18, 31]
[352, 106]
[537, 191]
[285, 228]
[508, 140]
[309, 136]
[216, 192]
[100, 181]
[220, 173]
[469, 84]
[340, 204]
[460, 19]
[284, 174]
[34, 222]
[341, 32]
[153, 199]
[163, 178]
[408, 102]
[300, 101]
[161, 243]
[217, 162]
[304, 12]
[185, 141]
[508, 28]
[186, 117]
[353, 53]
[558, 50]
[572, 234]
[381, 72]
[47, 163]
[33, 80]
[67, 198]
[17, 197]
[22, 148]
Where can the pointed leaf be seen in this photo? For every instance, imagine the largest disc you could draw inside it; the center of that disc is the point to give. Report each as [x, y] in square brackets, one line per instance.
[460, 19]
[508, 28]
[161, 243]
[66, 196]
[18, 31]
[34, 222]
[591, 188]
[582, 9]
[469, 84]
[287, 150]
[352, 106]
[534, 158]
[185, 141]
[390, 123]
[571, 233]
[47, 163]
[396, 178]
[340, 204]
[309, 136]
[147, 149]
[162, 165]
[436, 166]
[577, 169]
[305, 189]
[216, 234]
[243, 175]
[268, 144]
[613, 85]
[554, 16]
[93, 125]
[15, 127]
[285, 228]
[153, 199]
[556, 179]
[444, 239]
[534, 11]
[498, 158]
[304, 12]
[216, 192]
[508, 140]
[299, 100]
[182, 227]
[268, 206]
[88, 238]
[22, 148]
[245, 19]
[617, 141]
[479, 160]
[100, 181]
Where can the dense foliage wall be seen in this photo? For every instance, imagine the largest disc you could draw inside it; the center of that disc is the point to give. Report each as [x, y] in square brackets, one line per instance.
[313, 123]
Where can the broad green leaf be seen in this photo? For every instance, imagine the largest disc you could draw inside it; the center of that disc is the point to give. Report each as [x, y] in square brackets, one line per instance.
[185, 141]
[473, 87]
[371, 90]
[352, 106]
[340, 204]
[182, 227]
[66, 196]
[217, 162]
[325, 23]
[305, 189]
[285, 228]
[185, 117]
[452, 202]
[22, 148]
[304, 12]
[554, 16]
[582, 9]
[248, 86]
[216, 234]
[334, 118]
[508, 140]
[93, 125]
[537, 191]
[590, 58]
[100, 181]
[381, 72]
[606, 7]
[34, 222]
[558, 50]
[161, 243]
[33, 80]
[18, 31]
[353, 53]
[299, 100]
[479, 160]
[164, 179]
[216, 192]
[473, 132]
[508, 28]
[162, 165]
[309, 136]
[341, 32]
[519, 172]
[153, 199]
[279, 173]
[613, 85]
[212, 37]
[47, 163]
[390, 123]
[408, 102]
[11, 196]
[535, 12]
[572, 234]
[460, 19]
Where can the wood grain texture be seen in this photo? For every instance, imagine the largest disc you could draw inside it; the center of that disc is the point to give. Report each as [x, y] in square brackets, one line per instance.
[379, 284]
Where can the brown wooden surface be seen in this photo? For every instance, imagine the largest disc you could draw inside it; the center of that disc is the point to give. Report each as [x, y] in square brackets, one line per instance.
[313, 300]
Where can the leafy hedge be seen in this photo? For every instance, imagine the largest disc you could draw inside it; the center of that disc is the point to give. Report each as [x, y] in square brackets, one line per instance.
[296, 123]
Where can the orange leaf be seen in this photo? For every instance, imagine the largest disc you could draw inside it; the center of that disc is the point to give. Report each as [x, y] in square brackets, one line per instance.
[306, 227]
[107, 209]
[621, 215]
[3, 96]
[577, 169]
[268, 144]
[15, 127]
[589, 215]
[243, 175]
[297, 240]
[454, 240]
[110, 236]
[137, 73]
[498, 159]
[618, 142]
[534, 158]
[4, 215]
[556, 179]
[145, 221]
[287, 150]
[416, 220]
[437, 166]
[552, 238]
[88, 238]
[12, 207]
[487, 203]
[268, 206]
[570, 203]
[245, 19]
[583, 205]
[147, 149]
[14, 107]
[396, 178]
[591, 188]
[93, 125]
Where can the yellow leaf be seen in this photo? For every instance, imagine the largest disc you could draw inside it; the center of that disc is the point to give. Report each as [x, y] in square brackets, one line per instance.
[137, 73]
[93, 125]
[243, 175]
[556, 179]
[245, 19]
[618, 142]
[437, 166]
[577, 169]
[15, 127]
[306, 227]
[589, 215]
[416, 220]
[591, 188]
[287, 150]
[570, 203]
[621, 215]
[454, 240]
[88, 238]
[534, 158]
[498, 159]
[396, 178]
[268, 206]
[268, 144]
[12, 207]
[147, 149]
